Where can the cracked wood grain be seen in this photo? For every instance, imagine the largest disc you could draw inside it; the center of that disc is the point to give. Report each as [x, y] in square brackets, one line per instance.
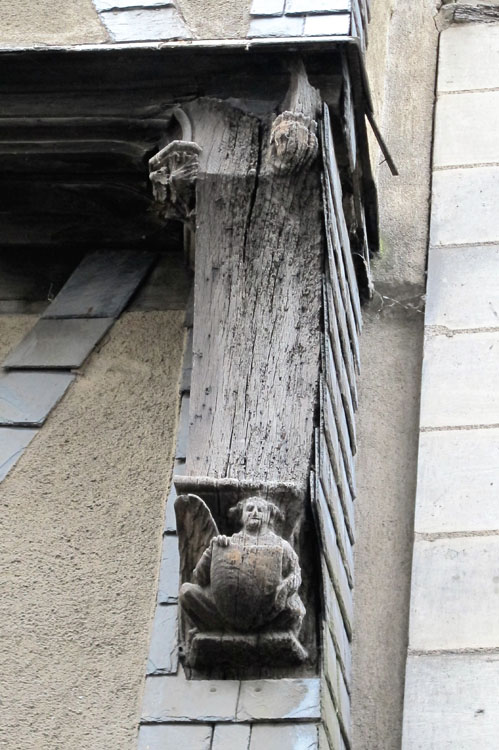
[257, 305]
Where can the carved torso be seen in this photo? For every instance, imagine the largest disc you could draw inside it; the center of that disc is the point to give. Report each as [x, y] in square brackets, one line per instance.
[244, 580]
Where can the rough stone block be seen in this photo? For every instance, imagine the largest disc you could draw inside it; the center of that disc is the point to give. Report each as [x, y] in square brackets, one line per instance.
[458, 481]
[455, 594]
[267, 7]
[149, 24]
[317, 6]
[464, 206]
[171, 699]
[461, 380]
[231, 737]
[163, 647]
[284, 737]
[26, 398]
[451, 702]
[169, 571]
[173, 737]
[269, 700]
[463, 287]
[13, 441]
[58, 344]
[466, 127]
[282, 26]
[469, 58]
[101, 285]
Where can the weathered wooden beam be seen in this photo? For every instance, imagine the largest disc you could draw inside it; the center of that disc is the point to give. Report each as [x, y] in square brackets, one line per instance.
[257, 291]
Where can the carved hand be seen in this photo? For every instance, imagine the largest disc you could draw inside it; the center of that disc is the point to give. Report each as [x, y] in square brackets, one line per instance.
[222, 540]
[283, 591]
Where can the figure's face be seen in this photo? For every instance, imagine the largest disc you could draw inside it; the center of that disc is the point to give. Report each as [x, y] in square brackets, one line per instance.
[256, 514]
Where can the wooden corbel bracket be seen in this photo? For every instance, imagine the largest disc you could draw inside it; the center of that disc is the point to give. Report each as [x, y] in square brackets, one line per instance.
[173, 172]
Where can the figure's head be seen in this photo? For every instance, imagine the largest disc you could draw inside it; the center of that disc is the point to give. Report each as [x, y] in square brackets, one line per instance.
[256, 514]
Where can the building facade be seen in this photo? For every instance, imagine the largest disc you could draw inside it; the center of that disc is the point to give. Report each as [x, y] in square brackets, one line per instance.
[203, 207]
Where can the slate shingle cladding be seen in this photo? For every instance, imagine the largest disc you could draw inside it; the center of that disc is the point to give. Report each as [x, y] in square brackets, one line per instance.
[307, 18]
[142, 21]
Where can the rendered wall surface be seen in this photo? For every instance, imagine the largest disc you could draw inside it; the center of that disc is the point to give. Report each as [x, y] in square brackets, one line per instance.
[24, 23]
[401, 66]
[80, 530]
[216, 19]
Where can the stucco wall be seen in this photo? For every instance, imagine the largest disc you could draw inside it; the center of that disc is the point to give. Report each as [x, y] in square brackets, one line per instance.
[401, 65]
[217, 19]
[27, 22]
[80, 533]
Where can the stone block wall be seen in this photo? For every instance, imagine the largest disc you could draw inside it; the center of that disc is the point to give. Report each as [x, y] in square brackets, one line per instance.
[452, 669]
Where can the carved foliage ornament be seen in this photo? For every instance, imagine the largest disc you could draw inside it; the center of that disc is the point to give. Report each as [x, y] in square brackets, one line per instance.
[241, 591]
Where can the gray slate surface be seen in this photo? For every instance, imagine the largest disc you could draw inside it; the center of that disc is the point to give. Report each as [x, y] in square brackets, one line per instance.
[13, 441]
[26, 398]
[101, 285]
[58, 344]
[163, 649]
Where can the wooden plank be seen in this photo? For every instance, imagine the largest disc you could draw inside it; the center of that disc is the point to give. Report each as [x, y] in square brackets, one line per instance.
[346, 328]
[336, 625]
[340, 338]
[349, 126]
[337, 685]
[331, 432]
[333, 560]
[257, 307]
[186, 376]
[331, 169]
[338, 519]
[343, 412]
[101, 285]
[345, 366]
[336, 267]
[330, 469]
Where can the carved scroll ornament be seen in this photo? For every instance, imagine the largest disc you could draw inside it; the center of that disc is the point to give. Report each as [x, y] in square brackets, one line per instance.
[173, 172]
[242, 594]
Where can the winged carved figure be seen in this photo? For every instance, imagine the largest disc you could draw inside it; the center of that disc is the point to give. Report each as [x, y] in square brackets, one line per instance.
[244, 583]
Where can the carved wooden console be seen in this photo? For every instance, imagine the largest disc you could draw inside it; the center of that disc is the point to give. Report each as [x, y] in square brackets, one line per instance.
[241, 608]
[249, 188]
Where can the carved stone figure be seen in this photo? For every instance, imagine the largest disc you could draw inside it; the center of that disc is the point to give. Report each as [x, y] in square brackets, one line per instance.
[243, 590]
